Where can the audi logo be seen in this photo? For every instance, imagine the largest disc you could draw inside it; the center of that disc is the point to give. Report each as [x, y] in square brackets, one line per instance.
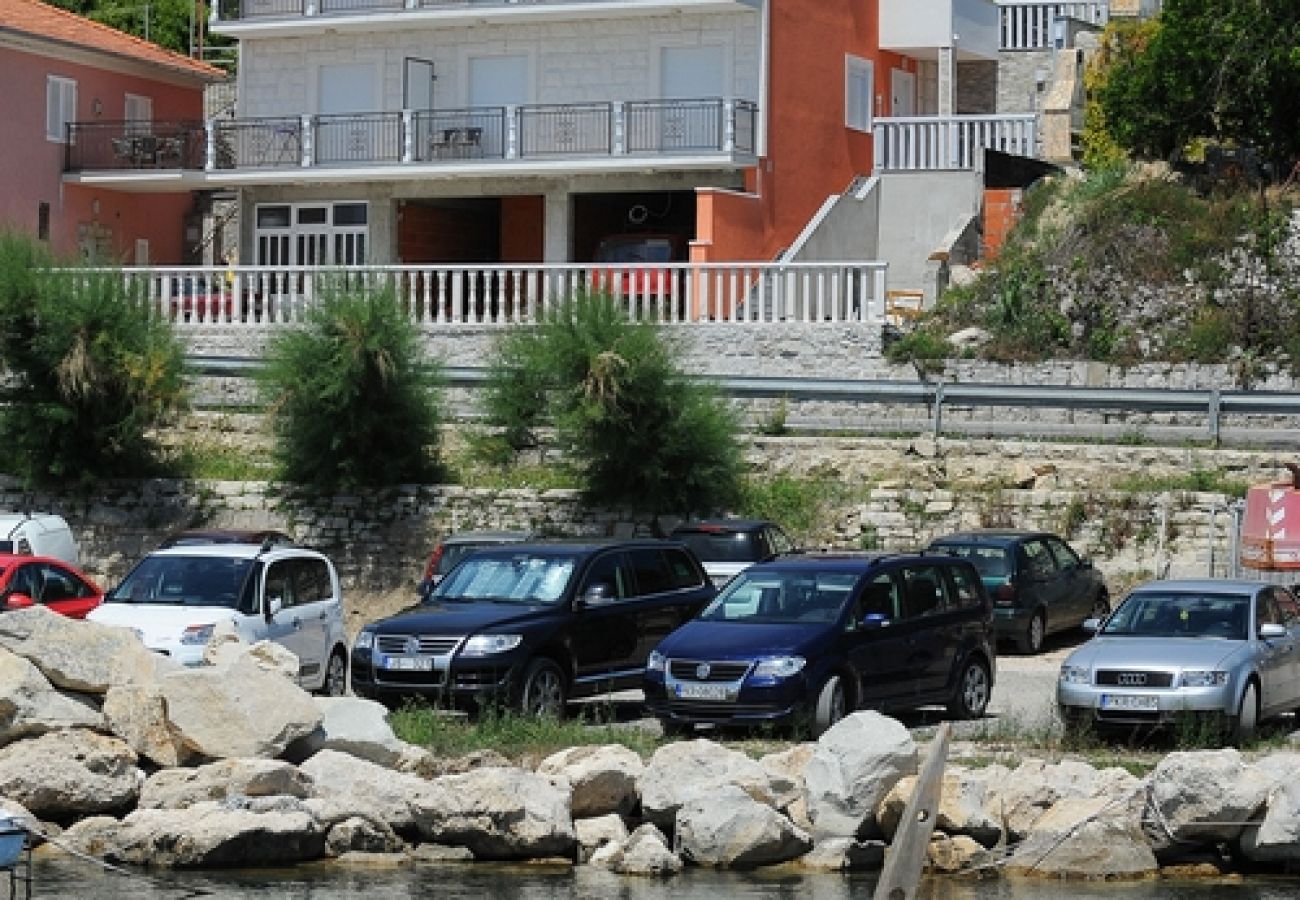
[1132, 679]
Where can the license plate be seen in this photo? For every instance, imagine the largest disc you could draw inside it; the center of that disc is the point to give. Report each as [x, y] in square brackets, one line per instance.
[406, 663]
[1130, 702]
[703, 692]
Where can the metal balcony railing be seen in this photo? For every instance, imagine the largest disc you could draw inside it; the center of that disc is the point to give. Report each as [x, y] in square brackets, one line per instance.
[252, 10]
[473, 134]
[507, 294]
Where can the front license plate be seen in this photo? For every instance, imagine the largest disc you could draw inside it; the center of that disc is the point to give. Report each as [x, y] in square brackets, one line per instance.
[406, 663]
[1130, 702]
[703, 692]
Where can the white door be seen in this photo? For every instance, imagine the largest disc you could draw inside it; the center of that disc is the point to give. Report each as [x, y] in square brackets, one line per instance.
[345, 93]
[902, 93]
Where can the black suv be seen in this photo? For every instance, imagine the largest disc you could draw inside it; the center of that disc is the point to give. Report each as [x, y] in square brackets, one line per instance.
[728, 546]
[808, 639]
[533, 625]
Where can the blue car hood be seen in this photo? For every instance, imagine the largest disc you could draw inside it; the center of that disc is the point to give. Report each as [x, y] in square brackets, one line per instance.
[742, 640]
[462, 617]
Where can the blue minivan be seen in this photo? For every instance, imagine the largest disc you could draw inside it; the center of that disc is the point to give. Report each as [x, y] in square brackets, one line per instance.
[809, 639]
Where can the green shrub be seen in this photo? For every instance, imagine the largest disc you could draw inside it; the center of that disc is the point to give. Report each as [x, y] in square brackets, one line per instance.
[638, 433]
[91, 374]
[353, 402]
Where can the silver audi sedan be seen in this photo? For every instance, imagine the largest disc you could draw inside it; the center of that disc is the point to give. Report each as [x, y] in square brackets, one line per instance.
[1219, 650]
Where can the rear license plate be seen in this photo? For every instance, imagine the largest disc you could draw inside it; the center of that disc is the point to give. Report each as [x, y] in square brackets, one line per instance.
[406, 663]
[703, 692]
[1130, 702]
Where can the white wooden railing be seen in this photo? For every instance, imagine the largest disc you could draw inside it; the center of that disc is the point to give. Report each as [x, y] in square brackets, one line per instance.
[1032, 24]
[507, 294]
[940, 143]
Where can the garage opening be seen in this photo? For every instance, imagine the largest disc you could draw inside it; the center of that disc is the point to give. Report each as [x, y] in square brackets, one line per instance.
[669, 215]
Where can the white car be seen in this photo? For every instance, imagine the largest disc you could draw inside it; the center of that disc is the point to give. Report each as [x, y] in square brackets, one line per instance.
[174, 599]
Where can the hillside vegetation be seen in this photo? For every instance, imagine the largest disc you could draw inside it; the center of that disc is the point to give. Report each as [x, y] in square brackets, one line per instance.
[1128, 264]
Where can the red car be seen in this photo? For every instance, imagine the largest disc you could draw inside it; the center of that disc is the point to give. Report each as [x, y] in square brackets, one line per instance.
[640, 266]
[40, 580]
[197, 297]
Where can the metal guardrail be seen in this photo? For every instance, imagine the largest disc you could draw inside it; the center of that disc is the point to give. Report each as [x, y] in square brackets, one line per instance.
[935, 396]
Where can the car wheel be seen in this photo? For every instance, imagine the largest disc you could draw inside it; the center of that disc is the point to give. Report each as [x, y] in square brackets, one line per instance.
[542, 690]
[971, 697]
[1031, 641]
[831, 706]
[336, 675]
[1243, 725]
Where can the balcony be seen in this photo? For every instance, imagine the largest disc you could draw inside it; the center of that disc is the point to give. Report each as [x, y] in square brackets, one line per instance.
[920, 28]
[239, 17]
[947, 143]
[606, 136]
[1033, 25]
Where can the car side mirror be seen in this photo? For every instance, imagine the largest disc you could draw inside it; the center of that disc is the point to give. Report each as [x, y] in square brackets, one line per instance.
[1091, 625]
[273, 606]
[596, 594]
[18, 601]
[1272, 631]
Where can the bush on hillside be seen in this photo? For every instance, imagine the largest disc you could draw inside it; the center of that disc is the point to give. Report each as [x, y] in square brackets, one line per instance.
[638, 433]
[353, 402]
[91, 374]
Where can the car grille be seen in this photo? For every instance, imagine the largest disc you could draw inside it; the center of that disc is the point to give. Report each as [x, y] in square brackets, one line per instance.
[429, 645]
[1134, 678]
[699, 709]
[688, 670]
[410, 679]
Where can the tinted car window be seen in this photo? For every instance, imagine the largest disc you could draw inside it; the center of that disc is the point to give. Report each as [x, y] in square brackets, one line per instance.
[966, 588]
[723, 546]
[1038, 561]
[990, 562]
[880, 598]
[924, 591]
[1065, 557]
[311, 581]
[684, 573]
[650, 571]
[610, 570]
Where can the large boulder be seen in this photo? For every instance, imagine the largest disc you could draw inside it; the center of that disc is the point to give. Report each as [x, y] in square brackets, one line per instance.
[597, 832]
[238, 710]
[257, 832]
[854, 766]
[357, 726]
[1276, 837]
[1018, 797]
[77, 655]
[1086, 838]
[644, 852]
[602, 779]
[225, 646]
[360, 786]
[69, 774]
[498, 814]
[183, 788]
[728, 828]
[30, 706]
[1203, 797]
[137, 713]
[680, 771]
[357, 834]
[785, 770]
[963, 807]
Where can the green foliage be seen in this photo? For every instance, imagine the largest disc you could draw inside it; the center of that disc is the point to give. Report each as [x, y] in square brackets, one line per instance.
[1207, 481]
[638, 433]
[925, 350]
[799, 504]
[165, 22]
[1224, 69]
[353, 401]
[91, 374]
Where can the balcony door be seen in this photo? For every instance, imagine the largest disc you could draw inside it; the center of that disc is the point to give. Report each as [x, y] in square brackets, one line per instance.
[346, 92]
[692, 84]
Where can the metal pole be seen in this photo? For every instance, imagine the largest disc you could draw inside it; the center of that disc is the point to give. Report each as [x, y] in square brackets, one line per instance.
[938, 410]
[901, 875]
[1215, 407]
[1214, 524]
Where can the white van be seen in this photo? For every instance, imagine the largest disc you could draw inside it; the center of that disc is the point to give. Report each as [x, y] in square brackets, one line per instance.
[24, 534]
[174, 599]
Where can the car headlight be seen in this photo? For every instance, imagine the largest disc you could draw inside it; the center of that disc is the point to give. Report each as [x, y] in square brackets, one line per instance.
[197, 634]
[1075, 675]
[365, 640]
[655, 662]
[490, 644]
[779, 667]
[1204, 678]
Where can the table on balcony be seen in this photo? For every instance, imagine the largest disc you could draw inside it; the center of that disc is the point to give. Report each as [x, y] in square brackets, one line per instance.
[456, 143]
[148, 150]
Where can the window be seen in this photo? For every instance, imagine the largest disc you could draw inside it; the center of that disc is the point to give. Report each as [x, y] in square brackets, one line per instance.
[611, 571]
[652, 575]
[43, 221]
[879, 600]
[1037, 561]
[139, 114]
[859, 88]
[60, 107]
[967, 587]
[684, 573]
[925, 591]
[1065, 557]
[312, 234]
[311, 580]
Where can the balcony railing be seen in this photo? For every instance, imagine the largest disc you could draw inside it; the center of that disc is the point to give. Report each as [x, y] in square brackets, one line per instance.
[253, 10]
[930, 143]
[439, 295]
[1033, 25]
[641, 128]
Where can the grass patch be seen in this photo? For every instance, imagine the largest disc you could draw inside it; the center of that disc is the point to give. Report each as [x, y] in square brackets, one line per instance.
[513, 736]
[208, 461]
[1210, 481]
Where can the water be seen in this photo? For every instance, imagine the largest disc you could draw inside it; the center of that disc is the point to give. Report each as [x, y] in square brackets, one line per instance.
[66, 878]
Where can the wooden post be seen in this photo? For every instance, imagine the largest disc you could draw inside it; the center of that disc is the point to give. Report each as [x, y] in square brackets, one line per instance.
[906, 855]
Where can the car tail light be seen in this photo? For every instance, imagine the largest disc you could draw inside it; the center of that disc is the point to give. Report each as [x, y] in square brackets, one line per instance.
[1005, 595]
[432, 568]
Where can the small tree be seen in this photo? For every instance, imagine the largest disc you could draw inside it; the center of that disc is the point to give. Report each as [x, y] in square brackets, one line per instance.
[353, 403]
[91, 374]
[639, 433]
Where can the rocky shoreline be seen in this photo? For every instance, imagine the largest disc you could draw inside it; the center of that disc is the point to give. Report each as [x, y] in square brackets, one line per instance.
[112, 751]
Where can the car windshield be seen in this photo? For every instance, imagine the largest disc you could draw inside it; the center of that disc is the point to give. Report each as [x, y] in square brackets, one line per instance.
[517, 577]
[990, 562]
[1181, 614]
[453, 553]
[187, 581]
[635, 250]
[722, 546]
[775, 596]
